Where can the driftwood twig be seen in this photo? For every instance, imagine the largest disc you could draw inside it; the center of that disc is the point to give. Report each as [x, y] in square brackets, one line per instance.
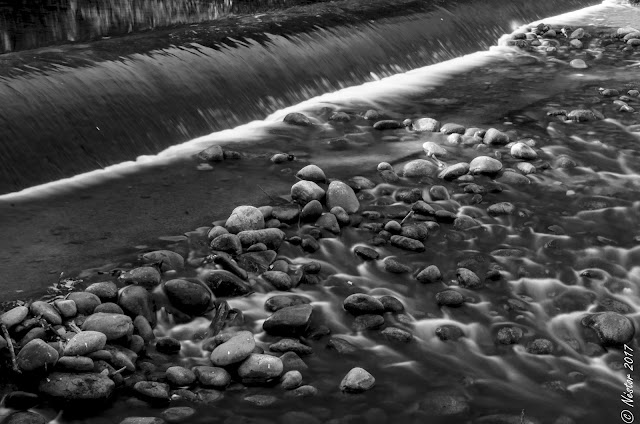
[14, 363]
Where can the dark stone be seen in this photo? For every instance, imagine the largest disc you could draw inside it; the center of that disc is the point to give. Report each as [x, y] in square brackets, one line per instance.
[21, 400]
[394, 266]
[85, 302]
[136, 300]
[509, 335]
[278, 302]
[145, 276]
[342, 346]
[257, 262]
[395, 334]
[229, 243]
[271, 237]
[77, 387]
[289, 321]
[430, 274]
[449, 298]
[189, 297]
[407, 243]
[388, 124]
[24, 417]
[225, 284]
[540, 347]
[298, 119]
[449, 332]
[168, 345]
[468, 279]
[366, 253]
[368, 322]
[391, 304]
[152, 391]
[362, 304]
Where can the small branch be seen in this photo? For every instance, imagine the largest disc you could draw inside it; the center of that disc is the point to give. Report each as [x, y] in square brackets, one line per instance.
[44, 324]
[74, 327]
[522, 417]
[409, 215]
[218, 321]
[14, 363]
[268, 195]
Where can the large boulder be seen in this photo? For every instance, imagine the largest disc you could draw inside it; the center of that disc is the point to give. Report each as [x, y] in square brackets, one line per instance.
[77, 387]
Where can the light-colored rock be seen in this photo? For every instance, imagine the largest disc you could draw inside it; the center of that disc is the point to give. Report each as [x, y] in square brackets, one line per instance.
[426, 124]
[234, 350]
[114, 326]
[14, 316]
[340, 194]
[260, 367]
[77, 387]
[357, 380]
[304, 192]
[419, 168]
[85, 342]
[522, 151]
[244, 218]
[312, 173]
[485, 165]
[36, 355]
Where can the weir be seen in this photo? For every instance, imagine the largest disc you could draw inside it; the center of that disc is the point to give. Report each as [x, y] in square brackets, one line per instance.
[72, 108]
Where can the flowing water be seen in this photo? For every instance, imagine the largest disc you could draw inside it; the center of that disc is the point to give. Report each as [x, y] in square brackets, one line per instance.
[572, 246]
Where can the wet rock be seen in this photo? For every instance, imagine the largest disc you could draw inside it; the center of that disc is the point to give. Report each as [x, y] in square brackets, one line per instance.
[292, 362]
[212, 376]
[311, 211]
[360, 183]
[367, 322]
[245, 218]
[177, 414]
[449, 298]
[236, 349]
[304, 192]
[582, 115]
[439, 192]
[257, 261]
[291, 345]
[300, 392]
[524, 152]
[388, 124]
[85, 302]
[357, 380]
[180, 376]
[485, 165]
[452, 128]
[526, 168]
[340, 194]
[396, 267]
[278, 279]
[36, 355]
[298, 119]
[46, 311]
[146, 276]
[614, 305]
[289, 321]
[278, 302]
[143, 328]
[136, 300]
[341, 216]
[419, 168]
[449, 332]
[417, 231]
[494, 137]
[423, 208]
[20, 400]
[77, 387]
[67, 308]
[114, 326]
[261, 400]
[152, 391]
[468, 279]
[312, 173]
[189, 297]
[407, 243]
[372, 115]
[430, 274]
[612, 328]
[509, 335]
[108, 307]
[391, 304]
[464, 223]
[445, 404]
[329, 222]
[24, 417]
[280, 158]
[212, 154]
[291, 380]
[361, 304]
[310, 244]
[454, 171]
[229, 243]
[84, 343]
[540, 347]
[342, 346]
[289, 213]
[340, 117]
[389, 176]
[166, 259]
[408, 195]
[260, 367]
[395, 334]
[502, 208]
[225, 284]
[426, 124]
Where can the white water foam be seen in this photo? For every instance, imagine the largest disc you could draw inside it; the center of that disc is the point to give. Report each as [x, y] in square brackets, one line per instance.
[397, 86]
